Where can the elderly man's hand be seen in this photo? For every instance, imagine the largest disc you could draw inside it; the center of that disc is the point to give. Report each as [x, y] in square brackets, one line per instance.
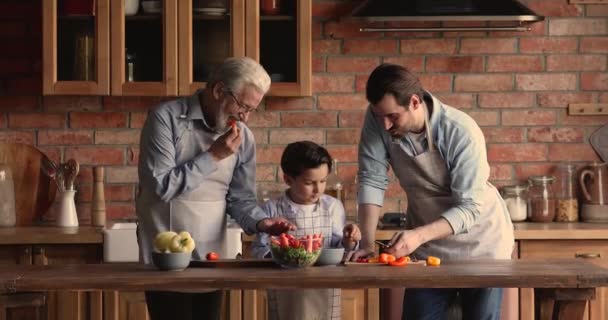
[275, 226]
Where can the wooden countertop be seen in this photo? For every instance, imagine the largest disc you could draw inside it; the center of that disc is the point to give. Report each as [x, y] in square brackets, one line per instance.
[50, 235]
[565, 273]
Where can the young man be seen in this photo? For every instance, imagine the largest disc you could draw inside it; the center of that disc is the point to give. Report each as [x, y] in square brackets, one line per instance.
[197, 162]
[306, 166]
[438, 154]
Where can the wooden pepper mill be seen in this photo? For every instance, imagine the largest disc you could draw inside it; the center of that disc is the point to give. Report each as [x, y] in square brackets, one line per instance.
[98, 205]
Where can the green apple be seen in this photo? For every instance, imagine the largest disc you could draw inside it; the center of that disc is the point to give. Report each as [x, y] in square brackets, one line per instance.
[162, 241]
[182, 242]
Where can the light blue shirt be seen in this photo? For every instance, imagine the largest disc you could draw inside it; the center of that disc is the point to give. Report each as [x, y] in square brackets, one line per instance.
[166, 172]
[461, 144]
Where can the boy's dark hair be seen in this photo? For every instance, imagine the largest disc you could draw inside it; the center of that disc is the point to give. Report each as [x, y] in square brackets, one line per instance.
[301, 155]
[393, 79]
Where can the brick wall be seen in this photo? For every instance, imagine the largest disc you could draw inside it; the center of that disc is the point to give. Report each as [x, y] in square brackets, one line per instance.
[516, 85]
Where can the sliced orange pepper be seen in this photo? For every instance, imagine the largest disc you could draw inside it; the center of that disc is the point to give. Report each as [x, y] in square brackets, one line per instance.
[384, 257]
[433, 261]
[373, 260]
[399, 262]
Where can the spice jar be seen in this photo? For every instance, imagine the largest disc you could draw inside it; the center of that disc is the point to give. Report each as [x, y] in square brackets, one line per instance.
[541, 200]
[565, 193]
[516, 200]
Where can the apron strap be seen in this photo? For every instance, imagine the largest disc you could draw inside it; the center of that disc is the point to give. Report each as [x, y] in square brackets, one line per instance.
[429, 134]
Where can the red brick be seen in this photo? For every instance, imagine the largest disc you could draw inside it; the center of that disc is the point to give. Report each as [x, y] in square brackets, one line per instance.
[53, 153]
[583, 27]
[501, 172]
[117, 137]
[350, 64]
[343, 136]
[506, 100]
[523, 171]
[36, 120]
[111, 193]
[504, 135]
[69, 103]
[483, 82]
[137, 119]
[333, 83]
[291, 135]
[98, 120]
[317, 30]
[318, 64]
[594, 81]
[308, 119]
[19, 103]
[436, 82]
[598, 10]
[331, 9]
[266, 173]
[26, 137]
[489, 45]
[343, 29]
[96, 155]
[572, 152]
[288, 104]
[594, 45]
[394, 190]
[269, 154]
[528, 118]
[414, 63]
[342, 102]
[351, 119]
[548, 45]
[428, 46]
[549, 134]
[545, 82]
[517, 152]
[454, 64]
[344, 153]
[517, 63]
[484, 118]
[121, 174]
[64, 137]
[555, 8]
[132, 155]
[458, 100]
[326, 46]
[361, 82]
[264, 120]
[120, 210]
[556, 99]
[3, 118]
[576, 63]
[366, 46]
[117, 103]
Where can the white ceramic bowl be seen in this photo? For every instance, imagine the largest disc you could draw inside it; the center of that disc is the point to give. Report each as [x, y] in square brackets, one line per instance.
[330, 256]
[171, 261]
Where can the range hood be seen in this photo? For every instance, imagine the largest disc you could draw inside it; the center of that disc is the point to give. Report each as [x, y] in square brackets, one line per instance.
[445, 10]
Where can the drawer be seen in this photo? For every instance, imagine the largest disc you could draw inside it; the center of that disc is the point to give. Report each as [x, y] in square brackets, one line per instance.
[595, 251]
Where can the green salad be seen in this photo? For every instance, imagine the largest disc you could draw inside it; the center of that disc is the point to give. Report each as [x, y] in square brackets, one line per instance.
[294, 257]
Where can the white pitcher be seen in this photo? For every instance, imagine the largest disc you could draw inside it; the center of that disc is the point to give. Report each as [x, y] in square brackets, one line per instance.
[67, 216]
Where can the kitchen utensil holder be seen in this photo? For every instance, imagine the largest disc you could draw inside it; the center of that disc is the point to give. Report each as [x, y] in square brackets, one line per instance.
[67, 216]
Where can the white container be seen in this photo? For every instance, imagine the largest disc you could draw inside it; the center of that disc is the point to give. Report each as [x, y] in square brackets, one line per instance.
[66, 216]
[233, 241]
[131, 7]
[120, 243]
[7, 197]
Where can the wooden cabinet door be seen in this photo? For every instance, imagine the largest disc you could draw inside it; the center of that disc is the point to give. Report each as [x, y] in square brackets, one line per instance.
[353, 304]
[595, 251]
[149, 42]
[76, 50]
[205, 40]
[125, 306]
[20, 305]
[282, 43]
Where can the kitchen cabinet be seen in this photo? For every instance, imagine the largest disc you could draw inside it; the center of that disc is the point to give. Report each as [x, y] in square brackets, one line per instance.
[51, 246]
[170, 52]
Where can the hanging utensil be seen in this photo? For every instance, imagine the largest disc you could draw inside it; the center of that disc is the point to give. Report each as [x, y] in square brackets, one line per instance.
[71, 168]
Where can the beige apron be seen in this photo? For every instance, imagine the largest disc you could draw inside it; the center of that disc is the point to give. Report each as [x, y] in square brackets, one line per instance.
[306, 304]
[426, 180]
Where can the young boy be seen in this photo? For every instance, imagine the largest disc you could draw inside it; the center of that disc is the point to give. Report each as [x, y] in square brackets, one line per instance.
[306, 166]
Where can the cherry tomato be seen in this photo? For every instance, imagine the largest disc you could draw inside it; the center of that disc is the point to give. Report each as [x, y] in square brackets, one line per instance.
[212, 256]
[232, 123]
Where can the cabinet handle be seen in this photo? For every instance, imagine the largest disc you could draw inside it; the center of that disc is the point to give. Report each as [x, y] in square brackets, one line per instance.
[587, 255]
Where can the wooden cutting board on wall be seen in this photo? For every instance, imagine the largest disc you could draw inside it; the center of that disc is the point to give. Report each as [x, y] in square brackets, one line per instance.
[34, 190]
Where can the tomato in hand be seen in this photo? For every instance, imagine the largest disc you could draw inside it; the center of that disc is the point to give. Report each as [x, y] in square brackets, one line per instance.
[212, 256]
[232, 123]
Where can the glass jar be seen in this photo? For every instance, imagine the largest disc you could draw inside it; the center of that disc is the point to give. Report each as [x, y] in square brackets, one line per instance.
[516, 199]
[334, 187]
[565, 193]
[541, 200]
[8, 217]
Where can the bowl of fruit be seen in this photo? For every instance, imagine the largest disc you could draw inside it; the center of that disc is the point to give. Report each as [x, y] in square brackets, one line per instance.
[172, 250]
[291, 252]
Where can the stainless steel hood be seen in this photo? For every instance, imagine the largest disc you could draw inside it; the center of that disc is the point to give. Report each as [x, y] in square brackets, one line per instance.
[445, 10]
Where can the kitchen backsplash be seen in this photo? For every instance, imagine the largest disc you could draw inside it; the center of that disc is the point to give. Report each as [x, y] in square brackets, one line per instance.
[516, 85]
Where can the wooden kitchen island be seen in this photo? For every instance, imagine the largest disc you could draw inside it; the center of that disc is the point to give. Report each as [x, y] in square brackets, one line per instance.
[568, 282]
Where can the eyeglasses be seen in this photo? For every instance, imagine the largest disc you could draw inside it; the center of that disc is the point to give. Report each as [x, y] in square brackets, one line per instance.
[243, 106]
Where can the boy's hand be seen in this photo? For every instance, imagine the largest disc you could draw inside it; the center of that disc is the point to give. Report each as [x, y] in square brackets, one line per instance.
[275, 226]
[350, 236]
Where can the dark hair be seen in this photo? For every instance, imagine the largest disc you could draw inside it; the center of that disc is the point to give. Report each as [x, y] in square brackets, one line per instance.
[301, 155]
[393, 79]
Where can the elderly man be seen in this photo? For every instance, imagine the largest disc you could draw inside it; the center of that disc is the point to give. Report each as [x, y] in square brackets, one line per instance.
[197, 163]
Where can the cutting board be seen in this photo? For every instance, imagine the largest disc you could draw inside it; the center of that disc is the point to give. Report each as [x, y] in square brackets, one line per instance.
[34, 190]
[599, 142]
[234, 263]
[369, 264]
